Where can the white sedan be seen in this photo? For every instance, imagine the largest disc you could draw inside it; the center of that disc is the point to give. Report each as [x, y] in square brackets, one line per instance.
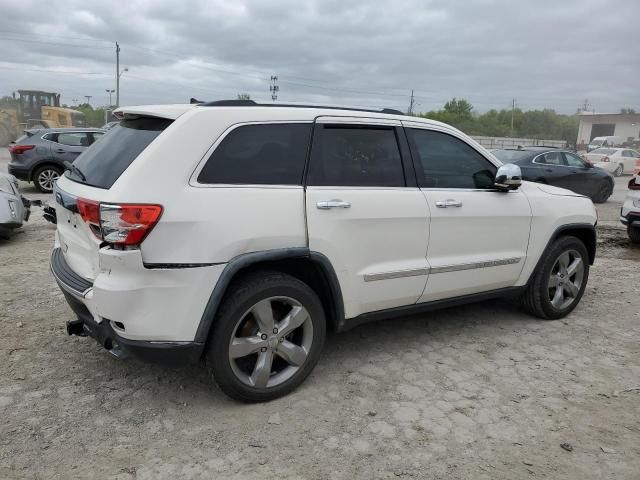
[614, 160]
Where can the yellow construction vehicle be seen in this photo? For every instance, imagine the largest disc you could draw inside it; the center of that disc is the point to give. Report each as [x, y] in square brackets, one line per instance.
[33, 109]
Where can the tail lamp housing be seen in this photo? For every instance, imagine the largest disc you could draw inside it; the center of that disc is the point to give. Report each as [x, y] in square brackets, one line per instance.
[634, 183]
[604, 159]
[119, 224]
[20, 149]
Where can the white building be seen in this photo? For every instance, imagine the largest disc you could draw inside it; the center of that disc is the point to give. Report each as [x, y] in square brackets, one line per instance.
[594, 125]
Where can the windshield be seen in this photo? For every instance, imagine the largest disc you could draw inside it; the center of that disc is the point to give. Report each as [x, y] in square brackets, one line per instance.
[604, 151]
[106, 160]
[510, 156]
[597, 142]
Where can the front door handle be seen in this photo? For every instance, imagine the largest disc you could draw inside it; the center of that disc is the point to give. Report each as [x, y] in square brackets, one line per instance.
[448, 203]
[327, 204]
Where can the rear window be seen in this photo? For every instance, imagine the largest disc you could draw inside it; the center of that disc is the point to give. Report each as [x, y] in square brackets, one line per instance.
[510, 156]
[107, 159]
[604, 151]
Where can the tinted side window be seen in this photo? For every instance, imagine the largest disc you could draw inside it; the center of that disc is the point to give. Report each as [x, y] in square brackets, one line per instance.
[551, 158]
[260, 154]
[574, 160]
[445, 161]
[74, 139]
[356, 156]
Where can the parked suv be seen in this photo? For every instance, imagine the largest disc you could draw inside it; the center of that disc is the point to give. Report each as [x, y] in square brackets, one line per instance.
[39, 156]
[630, 212]
[243, 232]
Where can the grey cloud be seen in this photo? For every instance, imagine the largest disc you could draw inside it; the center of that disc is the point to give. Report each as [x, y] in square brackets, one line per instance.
[545, 53]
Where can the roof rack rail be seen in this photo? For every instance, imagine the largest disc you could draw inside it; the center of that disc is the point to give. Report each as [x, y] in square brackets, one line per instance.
[253, 103]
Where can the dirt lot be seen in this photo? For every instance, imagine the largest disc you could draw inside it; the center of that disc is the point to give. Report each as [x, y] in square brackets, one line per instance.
[482, 392]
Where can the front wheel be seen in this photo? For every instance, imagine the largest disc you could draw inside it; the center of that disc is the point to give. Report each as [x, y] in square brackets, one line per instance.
[634, 234]
[605, 189]
[559, 282]
[268, 336]
[45, 178]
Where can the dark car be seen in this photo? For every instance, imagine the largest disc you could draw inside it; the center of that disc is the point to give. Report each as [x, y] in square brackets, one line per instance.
[39, 155]
[560, 168]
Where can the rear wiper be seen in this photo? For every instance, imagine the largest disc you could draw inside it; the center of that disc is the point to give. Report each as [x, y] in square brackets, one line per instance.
[74, 169]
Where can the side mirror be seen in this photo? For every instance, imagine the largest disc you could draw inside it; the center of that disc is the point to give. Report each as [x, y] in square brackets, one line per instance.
[508, 177]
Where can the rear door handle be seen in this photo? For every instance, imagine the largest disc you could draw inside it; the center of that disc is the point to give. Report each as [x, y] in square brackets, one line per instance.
[327, 204]
[448, 203]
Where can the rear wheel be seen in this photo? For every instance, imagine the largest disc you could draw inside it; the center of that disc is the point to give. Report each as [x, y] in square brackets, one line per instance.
[45, 177]
[268, 337]
[618, 171]
[634, 234]
[558, 284]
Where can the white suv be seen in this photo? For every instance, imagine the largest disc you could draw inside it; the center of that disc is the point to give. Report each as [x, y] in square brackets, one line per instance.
[242, 232]
[630, 212]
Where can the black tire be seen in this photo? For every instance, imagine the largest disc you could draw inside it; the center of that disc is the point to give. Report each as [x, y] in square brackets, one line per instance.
[618, 171]
[47, 170]
[536, 299]
[634, 234]
[236, 306]
[605, 190]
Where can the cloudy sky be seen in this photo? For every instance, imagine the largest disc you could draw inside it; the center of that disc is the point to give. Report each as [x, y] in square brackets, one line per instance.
[546, 54]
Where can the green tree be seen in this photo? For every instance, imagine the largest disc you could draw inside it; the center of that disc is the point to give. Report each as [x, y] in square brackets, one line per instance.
[244, 96]
[628, 111]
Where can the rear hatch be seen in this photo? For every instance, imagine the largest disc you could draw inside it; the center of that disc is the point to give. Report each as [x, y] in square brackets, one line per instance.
[85, 220]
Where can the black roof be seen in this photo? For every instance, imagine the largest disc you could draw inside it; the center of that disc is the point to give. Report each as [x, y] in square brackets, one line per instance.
[252, 103]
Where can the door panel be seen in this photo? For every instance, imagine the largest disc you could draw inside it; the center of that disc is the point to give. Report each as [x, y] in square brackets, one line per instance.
[478, 237]
[377, 246]
[363, 217]
[478, 246]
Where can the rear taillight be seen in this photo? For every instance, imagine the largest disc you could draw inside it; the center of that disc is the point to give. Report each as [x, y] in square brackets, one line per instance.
[119, 224]
[604, 159]
[19, 149]
[127, 224]
[633, 183]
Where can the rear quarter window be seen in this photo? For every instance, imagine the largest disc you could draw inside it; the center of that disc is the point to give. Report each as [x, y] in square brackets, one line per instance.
[265, 154]
[104, 162]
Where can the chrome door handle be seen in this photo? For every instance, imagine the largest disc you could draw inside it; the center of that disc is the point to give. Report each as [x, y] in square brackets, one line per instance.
[448, 203]
[327, 204]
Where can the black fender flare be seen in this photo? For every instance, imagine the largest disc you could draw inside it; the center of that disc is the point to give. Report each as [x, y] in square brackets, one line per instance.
[569, 227]
[243, 261]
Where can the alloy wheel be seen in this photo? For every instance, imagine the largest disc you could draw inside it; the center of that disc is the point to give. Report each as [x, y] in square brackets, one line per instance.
[566, 279]
[271, 342]
[47, 178]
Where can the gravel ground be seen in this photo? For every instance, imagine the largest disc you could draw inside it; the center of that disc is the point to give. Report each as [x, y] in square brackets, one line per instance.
[482, 392]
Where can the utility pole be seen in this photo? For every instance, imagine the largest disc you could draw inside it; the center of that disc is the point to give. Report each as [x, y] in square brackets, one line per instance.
[585, 106]
[117, 75]
[75, 101]
[411, 104]
[274, 88]
[513, 108]
[88, 97]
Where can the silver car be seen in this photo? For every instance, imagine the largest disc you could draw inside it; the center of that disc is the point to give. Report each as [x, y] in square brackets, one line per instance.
[14, 209]
[39, 156]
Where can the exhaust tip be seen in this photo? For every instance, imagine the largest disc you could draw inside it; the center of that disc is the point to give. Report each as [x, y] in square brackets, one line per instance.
[117, 351]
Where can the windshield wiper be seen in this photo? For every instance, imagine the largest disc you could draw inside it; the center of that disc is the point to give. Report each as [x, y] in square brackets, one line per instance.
[74, 169]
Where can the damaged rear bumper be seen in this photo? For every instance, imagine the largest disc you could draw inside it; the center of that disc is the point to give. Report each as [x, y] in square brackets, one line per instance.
[75, 288]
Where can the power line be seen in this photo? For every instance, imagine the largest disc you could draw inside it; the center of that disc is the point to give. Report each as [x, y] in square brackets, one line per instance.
[64, 72]
[47, 35]
[53, 43]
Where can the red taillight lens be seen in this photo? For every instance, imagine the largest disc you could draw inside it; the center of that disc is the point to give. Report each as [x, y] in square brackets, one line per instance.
[127, 224]
[89, 210]
[18, 149]
[633, 183]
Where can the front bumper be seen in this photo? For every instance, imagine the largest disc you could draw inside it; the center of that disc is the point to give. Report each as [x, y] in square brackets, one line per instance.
[630, 211]
[76, 288]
